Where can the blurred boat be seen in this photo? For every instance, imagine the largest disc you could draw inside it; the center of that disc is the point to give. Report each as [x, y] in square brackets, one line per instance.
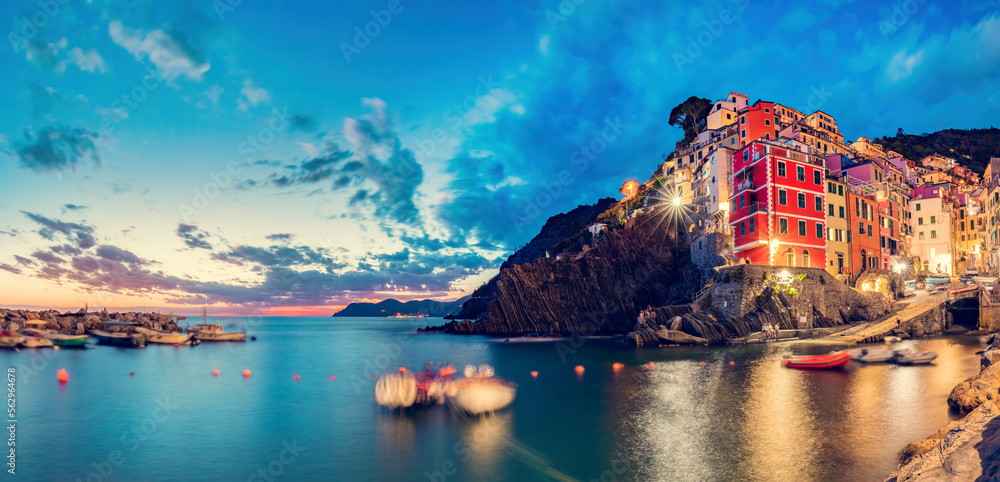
[214, 332]
[477, 396]
[396, 390]
[166, 337]
[986, 280]
[904, 358]
[938, 279]
[67, 341]
[130, 340]
[875, 355]
[36, 341]
[11, 341]
[835, 359]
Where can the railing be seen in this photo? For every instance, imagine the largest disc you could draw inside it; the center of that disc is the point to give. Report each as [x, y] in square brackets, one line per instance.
[755, 207]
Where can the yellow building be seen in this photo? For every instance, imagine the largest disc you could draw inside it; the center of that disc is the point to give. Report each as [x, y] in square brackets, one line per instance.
[838, 231]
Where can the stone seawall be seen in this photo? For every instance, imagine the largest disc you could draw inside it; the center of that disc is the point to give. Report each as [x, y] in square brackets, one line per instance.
[78, 323]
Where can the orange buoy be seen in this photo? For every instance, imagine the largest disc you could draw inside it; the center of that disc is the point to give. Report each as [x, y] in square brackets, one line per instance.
[295, 377]
[402, 369]
[246, 373]
[617, 365]
[534, 374]
[131, 373]
[703, 363]
[176, 344]
[374, 375]
[333, 377]
[731, 363]
[579, 369]
[650, 364]
[215, 373]
[62, 376]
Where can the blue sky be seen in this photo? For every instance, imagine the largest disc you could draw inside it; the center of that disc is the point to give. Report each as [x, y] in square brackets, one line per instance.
[268, 155]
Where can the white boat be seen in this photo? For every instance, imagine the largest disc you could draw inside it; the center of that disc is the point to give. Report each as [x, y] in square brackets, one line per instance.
[986, 280]
[909, 358]
[396, 390]
[480, 392]
[936, 279]
[166, 337]
[131, 340]
[873, 355]
[214, 332]
[36, 341]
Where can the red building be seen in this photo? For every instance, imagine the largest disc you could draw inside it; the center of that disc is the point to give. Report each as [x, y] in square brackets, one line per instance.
[777, 206]
[865, 235]
[758, 121]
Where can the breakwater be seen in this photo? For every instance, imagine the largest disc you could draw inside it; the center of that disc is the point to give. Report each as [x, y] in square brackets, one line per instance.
[78, 323]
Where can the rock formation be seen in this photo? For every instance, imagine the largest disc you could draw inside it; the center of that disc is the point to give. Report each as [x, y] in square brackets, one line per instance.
[81, 321]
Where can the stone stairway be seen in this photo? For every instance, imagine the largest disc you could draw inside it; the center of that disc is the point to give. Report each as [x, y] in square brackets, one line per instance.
[876, 331]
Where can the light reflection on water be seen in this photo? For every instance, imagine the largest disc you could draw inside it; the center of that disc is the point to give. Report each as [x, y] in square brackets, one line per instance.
[680, 420]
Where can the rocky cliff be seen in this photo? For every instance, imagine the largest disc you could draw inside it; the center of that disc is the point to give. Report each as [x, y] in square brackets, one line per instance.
[557, 229]
[599, 292]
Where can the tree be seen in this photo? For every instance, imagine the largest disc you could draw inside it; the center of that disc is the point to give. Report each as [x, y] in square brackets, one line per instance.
[691, 115]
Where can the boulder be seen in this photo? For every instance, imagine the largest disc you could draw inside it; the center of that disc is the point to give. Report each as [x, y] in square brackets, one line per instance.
[14, 327]
[971, 393]
[32, 316]
[676, 323]
[79, 329]
[990, 358]
[968, 449]
[679, 337]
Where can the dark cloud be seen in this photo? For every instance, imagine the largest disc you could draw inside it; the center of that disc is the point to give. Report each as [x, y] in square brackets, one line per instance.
[47, 257]
[23, 260]
[193, 237]
[279, 237]
[73, 207]
[313, 170]
[57, 148]
[279, 256]
[7, 267]
[302, 122]
[81, 233]
[124, 256]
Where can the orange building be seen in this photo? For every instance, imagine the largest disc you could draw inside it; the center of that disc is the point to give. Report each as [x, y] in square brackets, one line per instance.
[864, 238]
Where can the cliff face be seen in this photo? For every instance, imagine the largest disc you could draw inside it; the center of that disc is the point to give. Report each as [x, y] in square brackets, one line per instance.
[555, 230]
[391, 307]
[599, 293]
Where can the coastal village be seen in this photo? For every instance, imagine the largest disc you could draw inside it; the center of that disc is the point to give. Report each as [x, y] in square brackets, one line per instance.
[787, 189]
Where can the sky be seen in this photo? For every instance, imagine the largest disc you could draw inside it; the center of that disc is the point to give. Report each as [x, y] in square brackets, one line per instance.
[293, 157]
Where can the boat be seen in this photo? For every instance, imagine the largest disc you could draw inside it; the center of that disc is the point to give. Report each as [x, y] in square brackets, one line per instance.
[131, 340]
[480, 391]
[875, 355]
[11, 341]
[835, 359]
[938, 278]
[909, 358]
[36, 341]
[167, 338]
[214, 332]
[986, 280]
[67, 341]
[967, 289]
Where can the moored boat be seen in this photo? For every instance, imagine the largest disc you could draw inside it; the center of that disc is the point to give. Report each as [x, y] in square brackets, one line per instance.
[905, 358]
[835, 359]
[130, 340]
[67, 341]
[938, 279]
[36, 341]
[166, 337]
[11, 341]
[874, 355]
[986, 280]
[214, 332]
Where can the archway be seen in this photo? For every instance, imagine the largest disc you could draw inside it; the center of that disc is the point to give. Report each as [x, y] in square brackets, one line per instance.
[790, 257]
[965, 312]
[805, 259]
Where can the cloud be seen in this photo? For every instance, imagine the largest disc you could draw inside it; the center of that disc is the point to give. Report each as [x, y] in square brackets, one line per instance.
[81, 233]
[72, 207]
[57, 148]
[302, 122]
[279, 236]
[193, 237]
[41, 99]
[7, 267]
[45, 54]
[88, 60]
[252, 96]
[798, 20]
[170, 51]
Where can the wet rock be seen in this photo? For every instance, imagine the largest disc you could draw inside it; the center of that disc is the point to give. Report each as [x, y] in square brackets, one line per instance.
[679, 337]
[975, 391]
[79, 329]
[32, 316]
[968, 449]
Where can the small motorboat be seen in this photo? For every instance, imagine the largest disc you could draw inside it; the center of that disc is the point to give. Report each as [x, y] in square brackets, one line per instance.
[835, 359]
[167, 338]
[937, 279]
[66, 341]
[909, 358]
[8, 340]
[875, 355]
[985, 280]
[214, 332]
[130, 340]
[36, 341]
[480, 392]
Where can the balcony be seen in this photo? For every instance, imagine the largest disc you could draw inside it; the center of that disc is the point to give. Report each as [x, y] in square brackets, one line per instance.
[757, 207]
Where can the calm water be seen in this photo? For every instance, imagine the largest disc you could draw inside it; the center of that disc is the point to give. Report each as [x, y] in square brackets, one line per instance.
[680, 420]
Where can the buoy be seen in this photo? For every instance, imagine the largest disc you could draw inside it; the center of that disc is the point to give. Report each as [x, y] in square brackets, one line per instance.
[131, 373]
[703, 364]
[176, 344]
[402, 369]
[333, 377]
[617, 365]
[534, 374]
[374, 375]
[246, 373]
[56, 348]
[579, 369]
[731, 363]
[62, 376]
[215, 373]
[95, 347]
[650, 364]
[295, 377]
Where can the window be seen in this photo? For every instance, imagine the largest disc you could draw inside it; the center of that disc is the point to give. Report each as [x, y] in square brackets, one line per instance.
[743, 120]
[767, 110]
[802, 200]
[830, 188]
[963, 237]
[767, 122]
[790, 255]
[743, 228]
[817, 177]
[920, 235]
[805, 258]
[781, 169]
[920, 220]
[861, 227]
[918, 206]
[933, 219]
[841, 212]
[869, 230]
[743, 133]
[782, 197]
[802, 228]
[741, 201]
[830, 210]
[800, 173]
[783, 226]
[751, 224]
[933, 234]
[819, 204]
[819, 230]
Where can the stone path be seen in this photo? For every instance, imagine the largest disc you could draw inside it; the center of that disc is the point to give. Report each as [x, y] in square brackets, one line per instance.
[875, 331]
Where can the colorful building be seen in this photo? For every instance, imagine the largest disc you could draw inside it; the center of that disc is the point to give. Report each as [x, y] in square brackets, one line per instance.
[777, 206]
[931, 219]
[838, 231]
[862, 216]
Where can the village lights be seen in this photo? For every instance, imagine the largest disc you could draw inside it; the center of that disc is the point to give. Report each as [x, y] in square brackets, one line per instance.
[676, 202]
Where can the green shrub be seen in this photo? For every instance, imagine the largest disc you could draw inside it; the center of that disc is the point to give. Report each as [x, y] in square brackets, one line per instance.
[793, 292]
[738, 274]
[800, 277]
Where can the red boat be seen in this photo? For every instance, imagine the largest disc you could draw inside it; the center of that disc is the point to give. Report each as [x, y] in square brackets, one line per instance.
[835, 359]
